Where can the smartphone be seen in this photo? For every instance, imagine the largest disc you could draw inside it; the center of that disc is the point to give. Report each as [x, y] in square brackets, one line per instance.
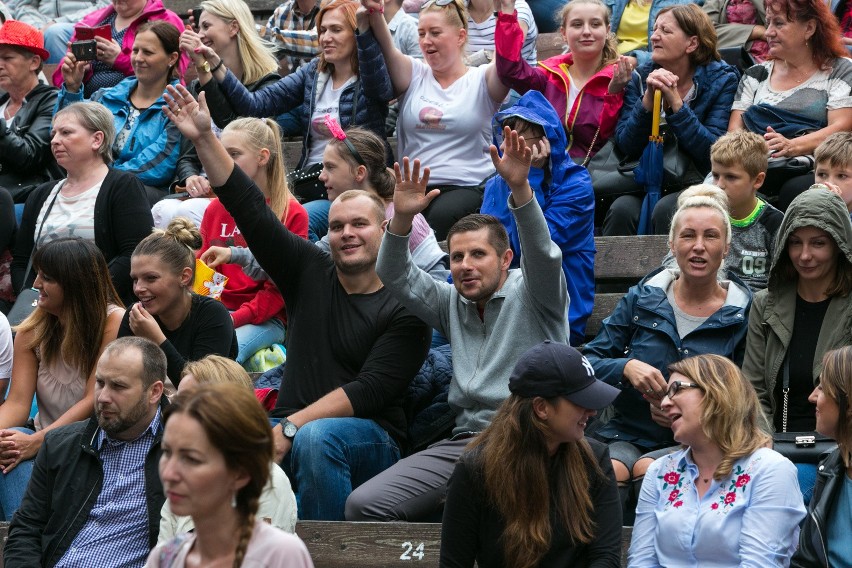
[86, 32]
[196, 16]
[84, 50]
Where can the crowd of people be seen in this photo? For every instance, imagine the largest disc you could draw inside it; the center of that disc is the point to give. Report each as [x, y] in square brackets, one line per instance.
[421, 322]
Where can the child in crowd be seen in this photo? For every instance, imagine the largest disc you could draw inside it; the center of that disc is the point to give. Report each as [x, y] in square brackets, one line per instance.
[564, 192]
[738, 164]
[834, 165]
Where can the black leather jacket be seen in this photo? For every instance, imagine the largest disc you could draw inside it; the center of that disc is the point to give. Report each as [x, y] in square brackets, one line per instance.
[64, 486]
[812, 544]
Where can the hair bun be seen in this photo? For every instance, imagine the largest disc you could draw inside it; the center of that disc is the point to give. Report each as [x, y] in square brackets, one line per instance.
[184, 231]
[703, 191]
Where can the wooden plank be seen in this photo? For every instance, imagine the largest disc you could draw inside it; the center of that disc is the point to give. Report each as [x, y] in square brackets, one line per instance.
[604, 305]
[180, 7]
[374, 545]
[548, 45]
[626, 258]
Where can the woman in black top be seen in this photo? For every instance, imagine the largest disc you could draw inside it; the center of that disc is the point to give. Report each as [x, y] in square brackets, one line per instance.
[532, 490]
[185, 325]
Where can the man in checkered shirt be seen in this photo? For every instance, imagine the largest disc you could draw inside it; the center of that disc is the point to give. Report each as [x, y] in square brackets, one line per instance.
[95, 495]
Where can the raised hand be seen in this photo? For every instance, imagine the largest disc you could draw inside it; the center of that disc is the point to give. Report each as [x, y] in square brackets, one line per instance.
[190, 116]
[621, 76]
[143, 324]
[214, 256]
[540, 153]
[514, 165]
[190, 43]
[373, 6]
[73, 72]
[108, 50]
[411, 195]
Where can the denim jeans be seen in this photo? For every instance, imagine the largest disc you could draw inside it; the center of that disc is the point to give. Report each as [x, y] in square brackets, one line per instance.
[14, 484]
[807, 473]
[331, 457]
[56, 40]
[544, 12]
[252, 338]
[317, 218]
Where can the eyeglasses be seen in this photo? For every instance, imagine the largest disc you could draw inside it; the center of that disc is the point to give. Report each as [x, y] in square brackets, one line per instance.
[443, 3]
[677, 386]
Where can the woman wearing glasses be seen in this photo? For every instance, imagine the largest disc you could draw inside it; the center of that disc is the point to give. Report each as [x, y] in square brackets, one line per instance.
[445, 107]
[670, 315]
[725, 499]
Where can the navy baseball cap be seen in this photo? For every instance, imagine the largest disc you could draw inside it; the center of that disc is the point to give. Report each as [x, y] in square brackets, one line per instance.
[553, 369]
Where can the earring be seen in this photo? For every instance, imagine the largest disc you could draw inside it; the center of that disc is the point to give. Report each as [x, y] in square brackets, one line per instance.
[234, 500]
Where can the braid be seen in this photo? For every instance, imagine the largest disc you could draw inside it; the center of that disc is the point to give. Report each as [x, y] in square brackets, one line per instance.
[248, 513]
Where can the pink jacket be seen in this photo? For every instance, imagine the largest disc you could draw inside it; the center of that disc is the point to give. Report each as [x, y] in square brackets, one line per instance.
[154, 10]
[593, 118]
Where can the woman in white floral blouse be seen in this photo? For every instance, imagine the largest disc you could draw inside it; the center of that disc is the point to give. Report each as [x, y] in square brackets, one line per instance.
[725, 499]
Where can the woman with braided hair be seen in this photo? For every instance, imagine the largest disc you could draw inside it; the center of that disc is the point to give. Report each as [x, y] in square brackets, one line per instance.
[217, 446]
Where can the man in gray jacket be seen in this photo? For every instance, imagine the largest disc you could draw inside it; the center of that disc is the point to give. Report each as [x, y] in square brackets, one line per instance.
[490, 314]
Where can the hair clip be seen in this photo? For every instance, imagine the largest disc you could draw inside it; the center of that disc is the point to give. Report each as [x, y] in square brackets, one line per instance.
[337, 132]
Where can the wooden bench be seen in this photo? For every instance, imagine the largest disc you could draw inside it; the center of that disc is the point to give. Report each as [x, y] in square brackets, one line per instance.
[371, 545]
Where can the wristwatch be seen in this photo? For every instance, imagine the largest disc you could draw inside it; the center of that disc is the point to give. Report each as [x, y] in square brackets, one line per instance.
[290, 429]
[204, 67]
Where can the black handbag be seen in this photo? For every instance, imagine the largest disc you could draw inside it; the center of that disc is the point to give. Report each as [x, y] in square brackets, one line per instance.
[612, 171]
[27, 299]
[305, 184]
[798, 447]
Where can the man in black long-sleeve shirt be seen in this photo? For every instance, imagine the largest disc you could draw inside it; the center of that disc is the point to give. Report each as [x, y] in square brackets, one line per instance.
[352, 350]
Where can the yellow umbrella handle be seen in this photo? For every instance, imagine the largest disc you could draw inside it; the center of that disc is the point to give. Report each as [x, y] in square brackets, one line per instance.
[655, 118]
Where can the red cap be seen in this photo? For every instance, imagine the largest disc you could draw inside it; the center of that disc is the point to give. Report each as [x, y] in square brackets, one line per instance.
[23, 35]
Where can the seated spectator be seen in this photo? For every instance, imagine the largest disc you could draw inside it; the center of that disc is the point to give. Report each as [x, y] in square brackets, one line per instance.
[804, 312]
[227, 26]
[56, 349]
[697, 90]
[146, 144]
[292, 15]
[738, 164]
[634, 24]
[27, 105]
[670, 315]
[725, 499]
[740, 24]
[256, 306]
[95, 491]
[55, 20]
[8, 228]
[223, 427]
[445, 109]
[355, 161]
[6, 351]
[564, 193]
[843, 12]
[833, 160]
[113, 61]
[797, 104]
[824, 537]
[348, 81]
[351, 349]
[585, 85]
[276, 504]
[185, 325]
[563, 509]
[490, 315]
[95, 201]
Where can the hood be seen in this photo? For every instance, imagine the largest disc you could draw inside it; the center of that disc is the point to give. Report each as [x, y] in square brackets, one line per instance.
[533, 107]
[814, 208]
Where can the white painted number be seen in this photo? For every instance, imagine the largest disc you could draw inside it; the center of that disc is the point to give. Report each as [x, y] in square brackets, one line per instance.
[410, 551]
[754, 265]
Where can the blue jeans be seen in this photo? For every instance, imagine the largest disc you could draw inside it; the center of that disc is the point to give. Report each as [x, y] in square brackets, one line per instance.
[317, 218]
[331, 457]
[252, 338]
[807, 479]
[14, 484]
[56, 40]
[544, 12]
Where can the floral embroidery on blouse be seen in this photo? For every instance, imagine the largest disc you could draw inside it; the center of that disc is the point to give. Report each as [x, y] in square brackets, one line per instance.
[678, 483]
[735, 487]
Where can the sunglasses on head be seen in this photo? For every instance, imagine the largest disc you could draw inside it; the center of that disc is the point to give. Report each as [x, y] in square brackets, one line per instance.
[442, 4]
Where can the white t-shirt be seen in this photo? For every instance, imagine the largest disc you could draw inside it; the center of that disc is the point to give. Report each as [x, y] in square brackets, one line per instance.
[70, 216]
[327, 102]
[6, 348]
[448, 130]
[481, 36]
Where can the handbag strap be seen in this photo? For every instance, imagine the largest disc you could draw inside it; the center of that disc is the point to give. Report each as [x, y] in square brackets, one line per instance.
[40, 227]
[592, 145]
[785, 390]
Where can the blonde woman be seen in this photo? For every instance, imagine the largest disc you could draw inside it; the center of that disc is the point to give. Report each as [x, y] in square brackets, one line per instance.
[725, 499]
[277, 505]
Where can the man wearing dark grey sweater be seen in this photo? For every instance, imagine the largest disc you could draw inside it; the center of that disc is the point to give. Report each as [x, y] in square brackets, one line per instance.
[490, 314]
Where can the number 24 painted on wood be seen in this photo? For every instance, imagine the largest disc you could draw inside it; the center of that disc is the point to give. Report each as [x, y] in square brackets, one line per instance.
[417, 552]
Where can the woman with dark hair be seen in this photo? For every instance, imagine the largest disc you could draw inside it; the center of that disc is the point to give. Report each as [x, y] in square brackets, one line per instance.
[217, 447]
[56, 350]
[531, 490]
[94, 201]
[824, 540]
[725, 499]
[805, 311]
[147, 144]
[802, 95]
[697, 90]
